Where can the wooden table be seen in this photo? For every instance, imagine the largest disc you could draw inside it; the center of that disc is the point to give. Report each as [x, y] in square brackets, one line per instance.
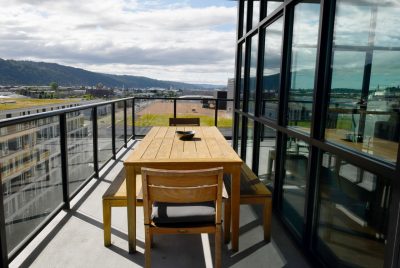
[161, 148]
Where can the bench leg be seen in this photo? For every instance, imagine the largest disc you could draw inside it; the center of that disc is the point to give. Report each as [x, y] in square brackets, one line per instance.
[218, 246]
[267, 218]
[107, 222]
[227, 221]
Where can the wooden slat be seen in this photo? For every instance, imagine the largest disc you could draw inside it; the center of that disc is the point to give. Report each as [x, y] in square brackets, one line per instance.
[161, 132]
[182, 195]
[153, 149]
[164, 151]
[183, 182]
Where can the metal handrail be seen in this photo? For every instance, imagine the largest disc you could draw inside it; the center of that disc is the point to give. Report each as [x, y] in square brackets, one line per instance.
[62, 121]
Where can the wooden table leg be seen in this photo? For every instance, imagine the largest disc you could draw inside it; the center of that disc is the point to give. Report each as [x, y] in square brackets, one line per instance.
[235, 207]
[131, 206]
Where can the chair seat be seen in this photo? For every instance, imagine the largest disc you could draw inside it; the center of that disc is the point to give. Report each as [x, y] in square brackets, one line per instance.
[192, 214]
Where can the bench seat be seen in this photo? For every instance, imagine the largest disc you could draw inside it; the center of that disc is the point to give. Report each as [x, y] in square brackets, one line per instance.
[252, 191]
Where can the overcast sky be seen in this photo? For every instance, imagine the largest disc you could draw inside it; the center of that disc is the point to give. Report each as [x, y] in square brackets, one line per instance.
[189, 41]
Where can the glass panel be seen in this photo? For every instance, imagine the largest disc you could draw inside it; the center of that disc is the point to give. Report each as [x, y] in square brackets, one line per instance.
[304, 50]
[294, 183]
[272, 5]
[104, 138]
[203, 109]
[129, 118]
[225, 121]
[241, 86]
[353, 213]
[253, 74]
[272, 69]
[80, 147]
[250, 143]
[239, 134]
[266, 167]
[119, 125]
[149, 113]
[245, 18]
[256, 13]
[364, 108]
[30, 176]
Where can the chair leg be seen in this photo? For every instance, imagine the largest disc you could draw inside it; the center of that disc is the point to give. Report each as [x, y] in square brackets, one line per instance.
[107, 222]
[147, 256]
[267, 219]
[227, 221]
[218, 246]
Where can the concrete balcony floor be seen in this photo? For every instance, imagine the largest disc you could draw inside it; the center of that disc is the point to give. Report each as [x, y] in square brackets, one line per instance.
[75, 238]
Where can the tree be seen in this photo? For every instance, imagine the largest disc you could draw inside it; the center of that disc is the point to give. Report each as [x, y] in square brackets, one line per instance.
[54, 87]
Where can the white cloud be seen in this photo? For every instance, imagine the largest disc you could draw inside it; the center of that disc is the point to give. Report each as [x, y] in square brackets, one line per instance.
[155, 39]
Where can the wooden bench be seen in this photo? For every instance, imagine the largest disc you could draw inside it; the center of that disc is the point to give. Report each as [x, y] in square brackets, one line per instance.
[252, 191]
[115, 196]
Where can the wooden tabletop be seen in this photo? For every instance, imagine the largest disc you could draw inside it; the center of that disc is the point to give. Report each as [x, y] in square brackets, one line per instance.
[162, 144]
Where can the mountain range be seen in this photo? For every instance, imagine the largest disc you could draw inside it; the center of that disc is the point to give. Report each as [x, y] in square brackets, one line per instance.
[14, 72]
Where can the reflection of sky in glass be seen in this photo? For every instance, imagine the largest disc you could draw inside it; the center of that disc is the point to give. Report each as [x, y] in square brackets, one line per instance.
[253, 72]
[272, 5]
[273, 46]
[385, 69]
[244, 17]
[305, 26]
[256, 13]
[388, 25]
[348, 69]
[352, 24]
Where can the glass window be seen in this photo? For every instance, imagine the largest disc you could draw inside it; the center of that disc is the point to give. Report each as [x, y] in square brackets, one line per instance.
[256, 13]
[241, 85]
[250, 143]
[245, 18]
[253, 74]
[266, 166]
[304, 51]
[294, 183]
[272, 5]
[353, 213]
[239, 134]
[272, 69]
[364, 108]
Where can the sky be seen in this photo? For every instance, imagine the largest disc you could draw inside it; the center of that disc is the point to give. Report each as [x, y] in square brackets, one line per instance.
[187, 41]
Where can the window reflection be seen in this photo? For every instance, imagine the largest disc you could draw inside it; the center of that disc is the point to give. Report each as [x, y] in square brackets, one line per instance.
[250, 143]
[256, 13]
[266, 167]
[271, 72]
[272, 5]
[364, 109]
[294, 184]
[253, 73]
[353, 213]
[241, 85]
[304, 48]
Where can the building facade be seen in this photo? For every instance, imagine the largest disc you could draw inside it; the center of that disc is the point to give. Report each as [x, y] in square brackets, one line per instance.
[317, 116]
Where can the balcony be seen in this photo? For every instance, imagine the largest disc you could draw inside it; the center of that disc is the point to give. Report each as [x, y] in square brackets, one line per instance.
[53, 212]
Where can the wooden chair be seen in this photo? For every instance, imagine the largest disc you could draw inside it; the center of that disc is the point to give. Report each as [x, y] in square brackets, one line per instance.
[182, 202]
[184, 121]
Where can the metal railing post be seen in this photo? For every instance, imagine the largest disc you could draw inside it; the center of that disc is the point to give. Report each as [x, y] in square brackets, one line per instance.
[174, 107]
[125, 125]
[64, 159]
[216, 113]
[95, 142]
[113, 130]
[3, 241]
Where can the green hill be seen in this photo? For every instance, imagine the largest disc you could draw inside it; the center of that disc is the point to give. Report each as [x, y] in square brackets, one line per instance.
[41, 73]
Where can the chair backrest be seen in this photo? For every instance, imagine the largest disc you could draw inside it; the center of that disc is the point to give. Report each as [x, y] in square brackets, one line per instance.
[184, 121]
[181, 186]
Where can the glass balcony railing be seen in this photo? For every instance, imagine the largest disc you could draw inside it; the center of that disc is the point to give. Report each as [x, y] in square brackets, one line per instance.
[47, 158]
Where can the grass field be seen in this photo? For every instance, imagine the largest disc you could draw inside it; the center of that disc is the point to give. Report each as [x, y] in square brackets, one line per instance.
[163, 120]
[26, 103]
